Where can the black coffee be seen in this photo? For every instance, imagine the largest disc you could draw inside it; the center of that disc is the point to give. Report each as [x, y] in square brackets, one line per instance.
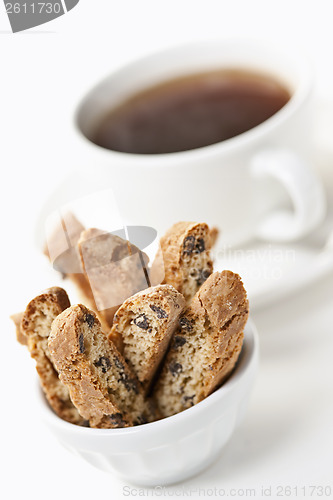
[191, 112]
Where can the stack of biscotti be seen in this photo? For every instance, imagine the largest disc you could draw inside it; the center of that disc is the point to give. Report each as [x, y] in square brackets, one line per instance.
[169, 347]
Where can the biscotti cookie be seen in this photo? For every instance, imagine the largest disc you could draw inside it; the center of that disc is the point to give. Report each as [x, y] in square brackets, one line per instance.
[206, 345]
[36, 326]
[62, 251]
[101, 385]
[183, 260]
[114, 268]
[20, 337]
[145, 323]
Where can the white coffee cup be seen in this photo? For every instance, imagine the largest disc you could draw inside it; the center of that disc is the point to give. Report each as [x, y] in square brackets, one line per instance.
[257, 184]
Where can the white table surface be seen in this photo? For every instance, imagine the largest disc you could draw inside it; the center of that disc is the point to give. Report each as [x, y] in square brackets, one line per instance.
[286, 438]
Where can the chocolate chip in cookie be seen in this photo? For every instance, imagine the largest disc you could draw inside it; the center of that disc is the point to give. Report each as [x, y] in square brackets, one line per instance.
[81, 343]
[185, 324]
[178, 341]
[175, 368]
[104, 363]
[200, 245]
[159, 311]
[141, 321]
[90, 319]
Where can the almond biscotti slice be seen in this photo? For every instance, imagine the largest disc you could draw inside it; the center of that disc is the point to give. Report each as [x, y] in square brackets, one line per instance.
[62, 251]
[206, 345]
[145, 323]
[114, 268]
[36, 326]
[183, 260]
[101, 385]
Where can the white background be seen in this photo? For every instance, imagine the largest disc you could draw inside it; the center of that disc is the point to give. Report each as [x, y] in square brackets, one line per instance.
[287, 436]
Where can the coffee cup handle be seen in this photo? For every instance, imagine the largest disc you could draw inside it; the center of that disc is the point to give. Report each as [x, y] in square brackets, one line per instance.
[304, 188]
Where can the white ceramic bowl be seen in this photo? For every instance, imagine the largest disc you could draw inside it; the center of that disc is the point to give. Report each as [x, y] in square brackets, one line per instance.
[172, 449]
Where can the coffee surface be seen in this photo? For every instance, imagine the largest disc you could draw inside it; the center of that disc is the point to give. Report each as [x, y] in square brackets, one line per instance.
[190, 112]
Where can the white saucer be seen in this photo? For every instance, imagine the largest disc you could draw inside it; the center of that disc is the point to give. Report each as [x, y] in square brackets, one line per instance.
[273, 271]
